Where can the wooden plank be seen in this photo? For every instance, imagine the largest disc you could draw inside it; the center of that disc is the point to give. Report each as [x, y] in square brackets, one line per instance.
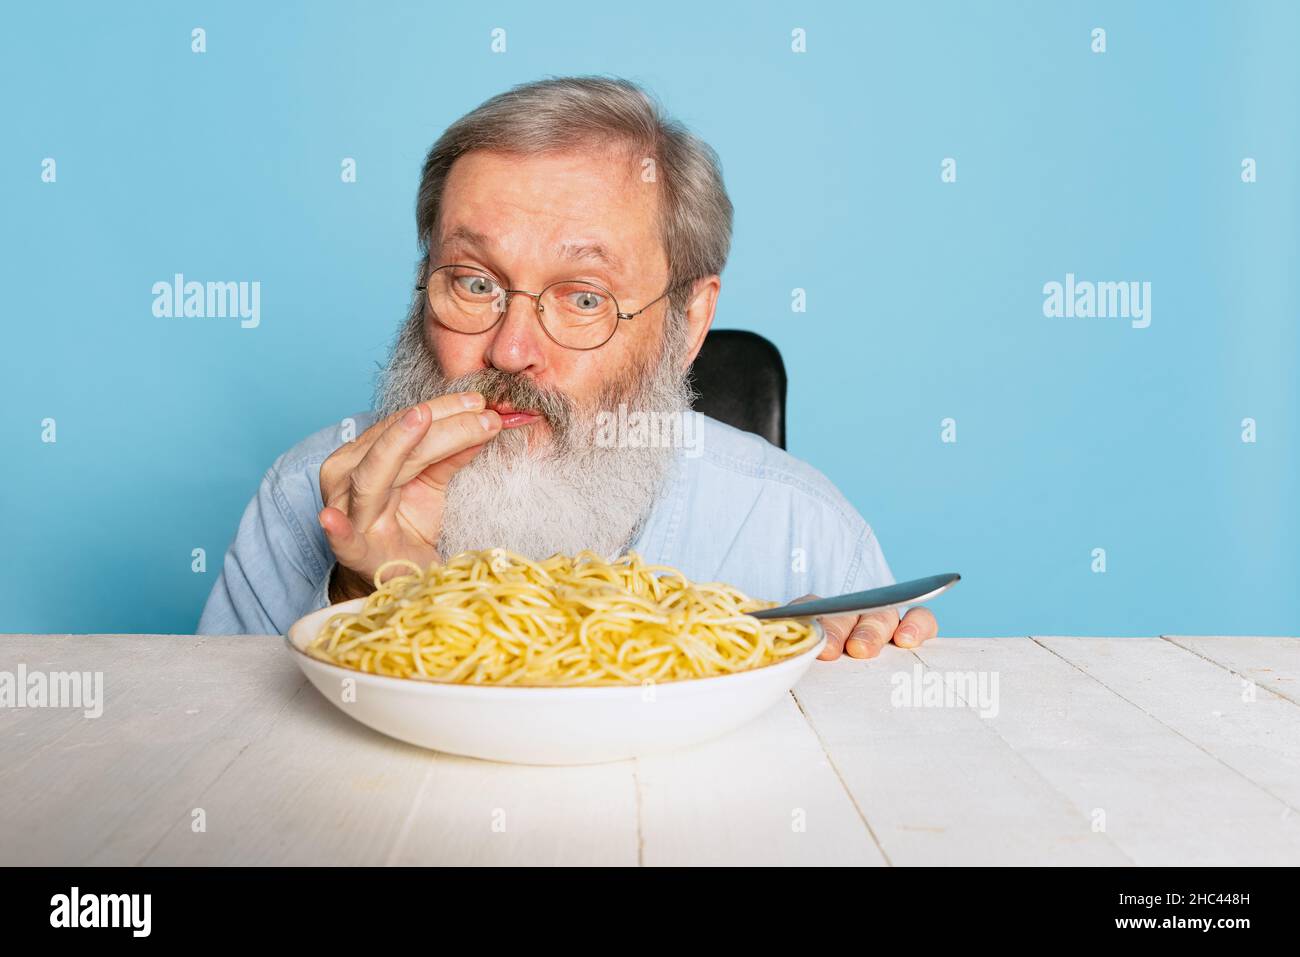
[124, 660]
[1246, 727]
[480, 812]
[177, 711]
[938, 785]
[317, 788]
[764, 794]
[1272, 663]
[320, 788]
[1165, 800]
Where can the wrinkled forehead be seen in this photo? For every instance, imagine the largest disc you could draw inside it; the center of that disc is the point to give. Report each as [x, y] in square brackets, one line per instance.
[598, 205]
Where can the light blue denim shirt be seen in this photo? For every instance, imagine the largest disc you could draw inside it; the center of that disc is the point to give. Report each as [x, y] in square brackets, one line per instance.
[734, 509]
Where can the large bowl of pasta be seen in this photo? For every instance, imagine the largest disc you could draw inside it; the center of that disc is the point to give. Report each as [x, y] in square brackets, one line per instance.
[564, 661]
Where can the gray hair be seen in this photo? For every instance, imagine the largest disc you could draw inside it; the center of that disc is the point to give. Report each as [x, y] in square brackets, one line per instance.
[695, 213]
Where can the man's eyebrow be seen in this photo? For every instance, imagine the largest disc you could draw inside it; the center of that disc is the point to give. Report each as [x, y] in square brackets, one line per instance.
[595, 251]
[467, 236]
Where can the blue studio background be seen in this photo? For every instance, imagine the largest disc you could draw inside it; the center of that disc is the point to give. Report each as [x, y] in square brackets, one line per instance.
[924, 297]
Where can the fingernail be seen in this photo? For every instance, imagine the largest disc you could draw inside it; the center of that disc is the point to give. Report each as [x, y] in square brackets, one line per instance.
[471, 400]
[486, 420]
[905, 638]
[412, 419]
[862, 649]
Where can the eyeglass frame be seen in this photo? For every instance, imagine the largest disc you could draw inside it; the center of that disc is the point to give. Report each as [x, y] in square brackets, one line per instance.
[536, 297]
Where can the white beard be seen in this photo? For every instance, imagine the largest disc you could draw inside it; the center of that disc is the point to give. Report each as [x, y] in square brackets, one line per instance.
[568, 495]
[542, 504]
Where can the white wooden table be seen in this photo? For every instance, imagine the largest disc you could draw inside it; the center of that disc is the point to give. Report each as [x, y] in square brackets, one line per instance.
[1141, 751]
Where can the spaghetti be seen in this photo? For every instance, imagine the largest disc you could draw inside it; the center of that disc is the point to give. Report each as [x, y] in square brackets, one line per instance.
[496, 618]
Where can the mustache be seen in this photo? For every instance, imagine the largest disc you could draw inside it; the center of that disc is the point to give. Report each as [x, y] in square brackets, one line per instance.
[497, 386]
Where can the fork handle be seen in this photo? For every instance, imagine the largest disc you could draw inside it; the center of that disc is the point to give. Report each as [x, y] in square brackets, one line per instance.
[918, 589]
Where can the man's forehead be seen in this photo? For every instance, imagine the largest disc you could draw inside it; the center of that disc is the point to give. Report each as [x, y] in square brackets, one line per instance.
[593, 207]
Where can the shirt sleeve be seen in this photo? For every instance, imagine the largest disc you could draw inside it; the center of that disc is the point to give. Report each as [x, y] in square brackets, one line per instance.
[868, 568]
[271, 576]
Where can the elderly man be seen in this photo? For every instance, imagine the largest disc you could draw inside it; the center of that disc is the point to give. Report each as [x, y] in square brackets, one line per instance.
[573, 239]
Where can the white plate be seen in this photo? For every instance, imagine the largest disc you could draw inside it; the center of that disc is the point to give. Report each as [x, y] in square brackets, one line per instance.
[545, 725]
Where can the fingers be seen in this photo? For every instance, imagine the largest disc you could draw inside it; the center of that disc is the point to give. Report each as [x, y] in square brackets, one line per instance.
[373, 477]
[837, 629]
[871, 632]
[918, 625]
[440, 473]
[862, 636]
[405, 449]
[346, 457]
[344, 542]
[448, 405]
[447, 438]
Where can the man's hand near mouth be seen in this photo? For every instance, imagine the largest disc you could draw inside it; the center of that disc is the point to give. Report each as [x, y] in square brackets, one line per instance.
[384, 493]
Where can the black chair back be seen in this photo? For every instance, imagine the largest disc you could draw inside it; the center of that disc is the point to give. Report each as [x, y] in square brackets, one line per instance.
[740, 379]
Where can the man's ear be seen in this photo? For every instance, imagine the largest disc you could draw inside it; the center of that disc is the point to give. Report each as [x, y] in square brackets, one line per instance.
[699, 314]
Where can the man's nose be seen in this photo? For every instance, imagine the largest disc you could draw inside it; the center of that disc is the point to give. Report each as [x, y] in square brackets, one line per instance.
[518, 341]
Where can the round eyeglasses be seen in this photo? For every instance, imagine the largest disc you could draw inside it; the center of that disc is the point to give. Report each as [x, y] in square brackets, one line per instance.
[574, 313]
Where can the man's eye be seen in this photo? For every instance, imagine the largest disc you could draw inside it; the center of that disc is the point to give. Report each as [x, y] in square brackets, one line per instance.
[476, 285]
[587, 300]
